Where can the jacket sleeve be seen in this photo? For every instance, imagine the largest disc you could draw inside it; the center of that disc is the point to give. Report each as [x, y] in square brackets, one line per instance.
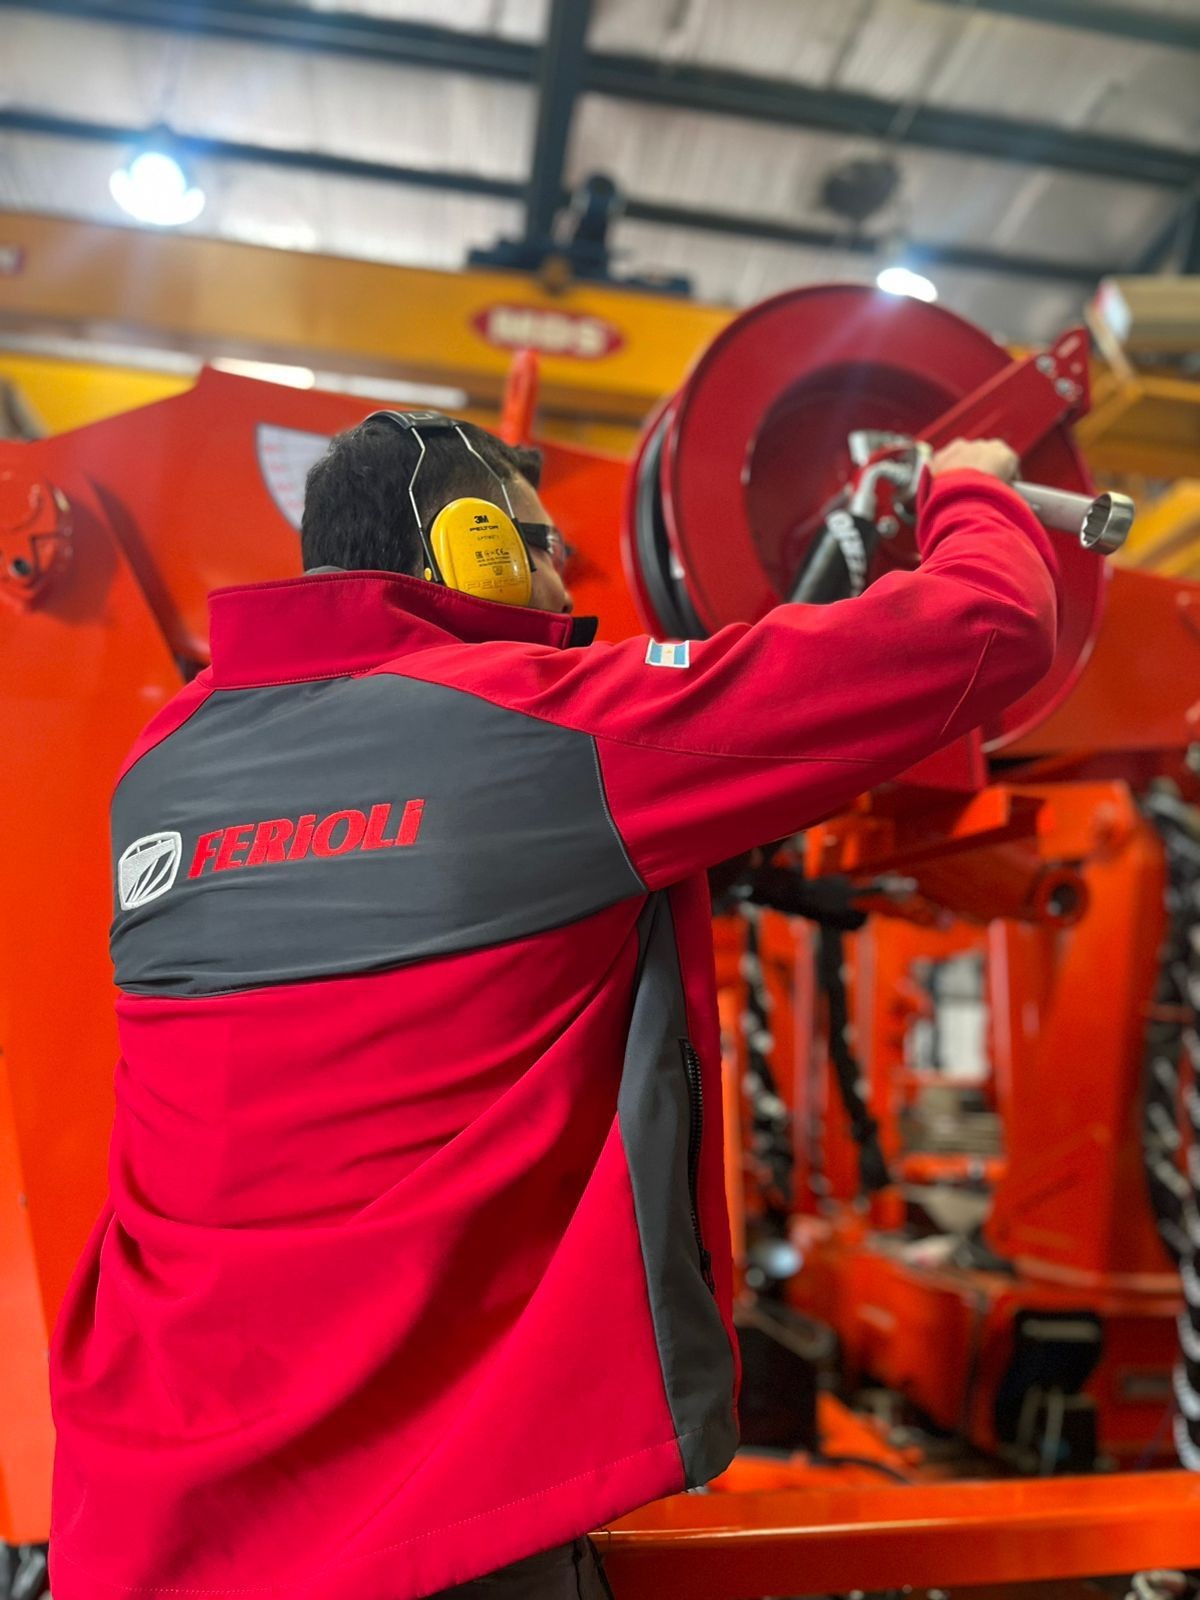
[774, 725]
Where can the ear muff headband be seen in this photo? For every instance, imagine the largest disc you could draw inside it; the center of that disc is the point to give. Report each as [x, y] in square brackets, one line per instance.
[473, 545]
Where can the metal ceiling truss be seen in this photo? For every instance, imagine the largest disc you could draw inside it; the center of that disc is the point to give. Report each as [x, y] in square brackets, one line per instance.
[917, 253]
[685, 86]
[753, 228]
[562, 68]
[560, 76]
[849, 114]
[297, 27]
[124, 137]
[426, 45]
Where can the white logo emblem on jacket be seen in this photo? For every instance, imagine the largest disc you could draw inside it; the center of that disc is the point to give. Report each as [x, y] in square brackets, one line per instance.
[148, 868]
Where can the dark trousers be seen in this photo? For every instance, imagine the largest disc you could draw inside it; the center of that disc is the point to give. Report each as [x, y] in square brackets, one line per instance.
[570, 1572]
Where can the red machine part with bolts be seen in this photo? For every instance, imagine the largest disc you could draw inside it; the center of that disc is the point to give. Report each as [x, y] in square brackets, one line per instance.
[35, 527]
[1024, 847]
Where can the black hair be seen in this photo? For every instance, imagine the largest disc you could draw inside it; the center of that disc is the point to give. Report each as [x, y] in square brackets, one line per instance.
[357, 513]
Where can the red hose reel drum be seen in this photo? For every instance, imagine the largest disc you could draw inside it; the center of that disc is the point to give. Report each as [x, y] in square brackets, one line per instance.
[734, 472]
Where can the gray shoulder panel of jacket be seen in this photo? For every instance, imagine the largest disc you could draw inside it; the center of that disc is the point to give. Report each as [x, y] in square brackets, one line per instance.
[348, 825]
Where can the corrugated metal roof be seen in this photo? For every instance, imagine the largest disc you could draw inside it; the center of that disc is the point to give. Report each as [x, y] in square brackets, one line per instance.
[777, 37]
[291, 100]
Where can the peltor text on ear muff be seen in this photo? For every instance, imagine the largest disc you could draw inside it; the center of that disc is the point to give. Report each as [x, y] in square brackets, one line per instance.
[479, 552]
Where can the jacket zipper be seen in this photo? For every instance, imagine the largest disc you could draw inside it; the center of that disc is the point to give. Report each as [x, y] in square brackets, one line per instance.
[695, 1089]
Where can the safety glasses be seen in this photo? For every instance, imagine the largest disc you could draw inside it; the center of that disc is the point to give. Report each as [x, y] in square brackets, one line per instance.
[545, 536]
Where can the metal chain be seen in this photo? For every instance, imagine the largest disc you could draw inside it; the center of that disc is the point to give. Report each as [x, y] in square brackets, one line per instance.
[1172, 1038]
[770, 1119]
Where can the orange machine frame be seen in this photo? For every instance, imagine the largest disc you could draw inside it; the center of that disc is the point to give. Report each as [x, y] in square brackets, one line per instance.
[127, 525]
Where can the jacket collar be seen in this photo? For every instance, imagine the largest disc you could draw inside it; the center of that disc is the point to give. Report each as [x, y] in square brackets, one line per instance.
[331, 623]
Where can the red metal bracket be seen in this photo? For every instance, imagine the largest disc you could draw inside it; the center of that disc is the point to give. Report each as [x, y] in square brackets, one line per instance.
[1024, 402]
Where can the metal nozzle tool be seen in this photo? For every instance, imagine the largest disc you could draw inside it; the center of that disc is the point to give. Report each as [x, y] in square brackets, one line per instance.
[1102, 522]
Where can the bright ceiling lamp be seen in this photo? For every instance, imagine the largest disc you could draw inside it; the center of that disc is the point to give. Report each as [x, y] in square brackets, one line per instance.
[903, 280]
[154, 188]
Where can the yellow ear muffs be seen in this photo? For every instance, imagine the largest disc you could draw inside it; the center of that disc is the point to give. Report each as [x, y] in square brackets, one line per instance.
[479, 551]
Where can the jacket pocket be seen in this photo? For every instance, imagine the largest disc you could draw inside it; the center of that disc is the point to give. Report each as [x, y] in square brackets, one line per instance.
[695, 1144]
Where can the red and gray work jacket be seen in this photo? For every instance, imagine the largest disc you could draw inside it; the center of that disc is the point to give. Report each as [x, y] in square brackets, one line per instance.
[416, 1259]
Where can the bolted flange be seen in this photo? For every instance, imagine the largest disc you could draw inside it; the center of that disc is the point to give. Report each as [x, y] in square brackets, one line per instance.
[35, 529]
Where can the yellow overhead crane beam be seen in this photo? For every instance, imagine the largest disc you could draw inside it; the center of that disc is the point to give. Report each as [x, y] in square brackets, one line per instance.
[607, 355]
[605, 352]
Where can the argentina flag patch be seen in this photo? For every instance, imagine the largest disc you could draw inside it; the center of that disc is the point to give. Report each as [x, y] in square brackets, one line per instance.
[669, 655]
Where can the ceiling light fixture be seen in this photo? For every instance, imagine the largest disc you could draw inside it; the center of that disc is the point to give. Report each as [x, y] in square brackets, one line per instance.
[899, 279]
[154, 188]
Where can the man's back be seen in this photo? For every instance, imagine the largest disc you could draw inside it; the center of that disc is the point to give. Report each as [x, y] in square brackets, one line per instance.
[372, 1212]
[417, 1259]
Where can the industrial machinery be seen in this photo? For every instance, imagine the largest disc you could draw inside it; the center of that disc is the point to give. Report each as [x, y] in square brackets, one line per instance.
[1001, 1282]
[960, 1127]
[1052, 1301]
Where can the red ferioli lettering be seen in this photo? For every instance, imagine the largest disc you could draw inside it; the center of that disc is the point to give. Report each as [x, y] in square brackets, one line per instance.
[279, 839]
[376, 834]
[324, 843]
[303, 839]
[269, 840]
[410, 822]
[234, 839]
[206, 849]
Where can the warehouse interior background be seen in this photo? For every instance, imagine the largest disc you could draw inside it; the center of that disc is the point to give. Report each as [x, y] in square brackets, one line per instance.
[959, 1020]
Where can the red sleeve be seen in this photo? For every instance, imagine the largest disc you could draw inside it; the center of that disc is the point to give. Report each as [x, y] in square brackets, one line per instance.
[775, 725]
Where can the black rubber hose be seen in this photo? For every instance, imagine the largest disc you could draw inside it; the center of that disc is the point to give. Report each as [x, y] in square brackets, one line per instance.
[826, 574]
[827, 901]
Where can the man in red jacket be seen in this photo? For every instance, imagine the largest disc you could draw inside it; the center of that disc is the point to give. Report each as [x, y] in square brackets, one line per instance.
[416, 1262]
